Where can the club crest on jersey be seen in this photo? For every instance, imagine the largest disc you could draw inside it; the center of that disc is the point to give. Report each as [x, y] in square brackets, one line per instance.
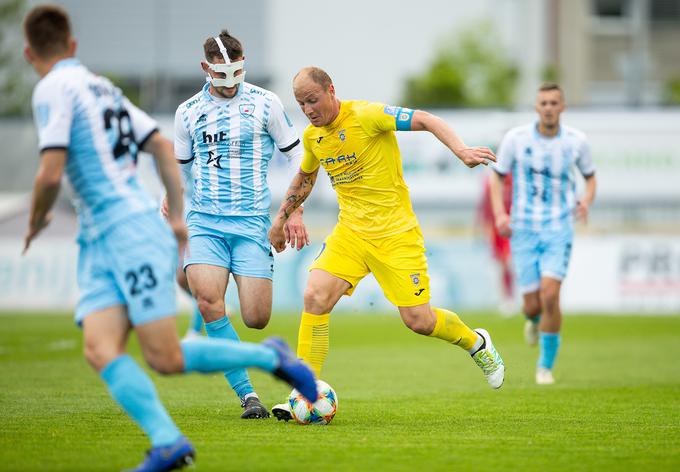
[341, 135]
[246, 109]
[415, 278]
[43, 114]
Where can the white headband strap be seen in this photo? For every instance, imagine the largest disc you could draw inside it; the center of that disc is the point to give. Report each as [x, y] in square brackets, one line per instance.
[223, 50]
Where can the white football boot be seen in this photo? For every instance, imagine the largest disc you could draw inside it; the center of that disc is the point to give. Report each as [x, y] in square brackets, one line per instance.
[544, 376]
[531, 332]
[488, 359]
[282, 412]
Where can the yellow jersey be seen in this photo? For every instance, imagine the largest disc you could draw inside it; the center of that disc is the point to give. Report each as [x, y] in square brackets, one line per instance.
[360, 154]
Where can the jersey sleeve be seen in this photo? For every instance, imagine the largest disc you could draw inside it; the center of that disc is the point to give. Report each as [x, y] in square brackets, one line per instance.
[184, 150]
[143, 126]
[505, 155]
[53, 115]
[309, 162]
[377, 118]
[584, 160]
[280, 128]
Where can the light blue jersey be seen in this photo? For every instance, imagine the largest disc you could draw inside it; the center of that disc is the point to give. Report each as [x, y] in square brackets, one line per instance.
[127, 253]
[225, 146]
[102, 132]
[543, 173]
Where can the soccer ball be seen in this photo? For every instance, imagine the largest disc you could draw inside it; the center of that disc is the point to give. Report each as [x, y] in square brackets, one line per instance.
[321, 411]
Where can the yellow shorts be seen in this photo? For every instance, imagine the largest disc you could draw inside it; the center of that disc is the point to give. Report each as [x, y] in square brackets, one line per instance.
[398, 263]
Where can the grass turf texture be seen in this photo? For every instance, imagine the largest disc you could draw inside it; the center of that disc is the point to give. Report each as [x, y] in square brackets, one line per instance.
[405, 402]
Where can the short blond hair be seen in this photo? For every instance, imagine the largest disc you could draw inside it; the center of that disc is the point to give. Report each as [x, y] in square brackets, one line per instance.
[317, 75]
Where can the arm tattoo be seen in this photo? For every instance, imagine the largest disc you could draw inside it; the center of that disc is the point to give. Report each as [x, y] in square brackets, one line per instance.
[299, 190]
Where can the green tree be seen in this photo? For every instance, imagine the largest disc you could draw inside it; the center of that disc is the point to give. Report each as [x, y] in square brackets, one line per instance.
[15, 74]
[672, 91]
[550, 73]
[469, 71]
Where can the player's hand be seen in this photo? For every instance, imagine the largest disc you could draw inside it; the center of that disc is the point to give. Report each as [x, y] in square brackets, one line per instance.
[164, 207]
[295, 230]
[582, 211]
[503, 225]
[34, 229]
[277, 235]
[474, 156]
[179, 229]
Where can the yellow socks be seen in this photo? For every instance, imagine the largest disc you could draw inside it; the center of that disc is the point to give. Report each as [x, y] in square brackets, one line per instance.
[313, 340]
[450, 328]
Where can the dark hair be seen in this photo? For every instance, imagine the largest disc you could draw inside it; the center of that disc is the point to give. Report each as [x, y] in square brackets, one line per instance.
[232, 45]
[47, 29]
[318, 76]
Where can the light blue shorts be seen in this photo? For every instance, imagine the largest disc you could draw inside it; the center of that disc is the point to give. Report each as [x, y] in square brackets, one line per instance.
[537, 254]
[237, 243]
[133, 264]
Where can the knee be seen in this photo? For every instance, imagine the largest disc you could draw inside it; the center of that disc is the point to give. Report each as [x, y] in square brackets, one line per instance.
[257, 320]
[419, 323]
[210, 307]
[99, 355]
[550, 296]
[317, 300]
[532, 306]
[532, 309]
[166, 362]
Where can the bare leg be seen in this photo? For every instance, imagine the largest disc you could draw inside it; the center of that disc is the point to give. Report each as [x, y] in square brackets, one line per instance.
[106, 334]
[255, 297]
[208, 283]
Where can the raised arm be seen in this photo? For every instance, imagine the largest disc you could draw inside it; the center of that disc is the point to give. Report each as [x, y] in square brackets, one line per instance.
[298, 191]
[471, 157]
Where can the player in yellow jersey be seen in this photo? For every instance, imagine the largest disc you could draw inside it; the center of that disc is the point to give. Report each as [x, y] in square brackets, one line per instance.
[377, 230]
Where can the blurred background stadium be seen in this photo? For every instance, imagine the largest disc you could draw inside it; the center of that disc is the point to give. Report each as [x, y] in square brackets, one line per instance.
[478, 63]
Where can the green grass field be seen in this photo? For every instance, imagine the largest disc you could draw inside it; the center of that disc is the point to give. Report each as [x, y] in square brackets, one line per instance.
[405, 402]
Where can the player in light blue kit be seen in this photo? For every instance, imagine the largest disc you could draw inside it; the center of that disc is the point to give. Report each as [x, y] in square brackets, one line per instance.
[225, 137]
[128, 254]
[542, 158]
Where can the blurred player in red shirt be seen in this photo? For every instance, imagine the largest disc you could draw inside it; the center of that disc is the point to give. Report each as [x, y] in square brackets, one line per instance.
[500, 245]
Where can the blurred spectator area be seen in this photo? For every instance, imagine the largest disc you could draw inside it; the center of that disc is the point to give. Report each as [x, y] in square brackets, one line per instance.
[636, 152]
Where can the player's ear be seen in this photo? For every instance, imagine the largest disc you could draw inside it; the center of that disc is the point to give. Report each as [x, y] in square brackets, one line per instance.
[205, 67]
[72, 46]
[28, 54]
[331, 90]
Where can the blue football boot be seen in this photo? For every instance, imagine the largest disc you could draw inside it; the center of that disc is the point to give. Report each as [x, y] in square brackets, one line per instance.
[172, 457]
[293, 370]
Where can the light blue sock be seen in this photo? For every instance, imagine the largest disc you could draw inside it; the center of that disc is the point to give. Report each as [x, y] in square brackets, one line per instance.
[237, 378]
[214, 355]
[135, 393]
[549, 344]
[196, 322]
